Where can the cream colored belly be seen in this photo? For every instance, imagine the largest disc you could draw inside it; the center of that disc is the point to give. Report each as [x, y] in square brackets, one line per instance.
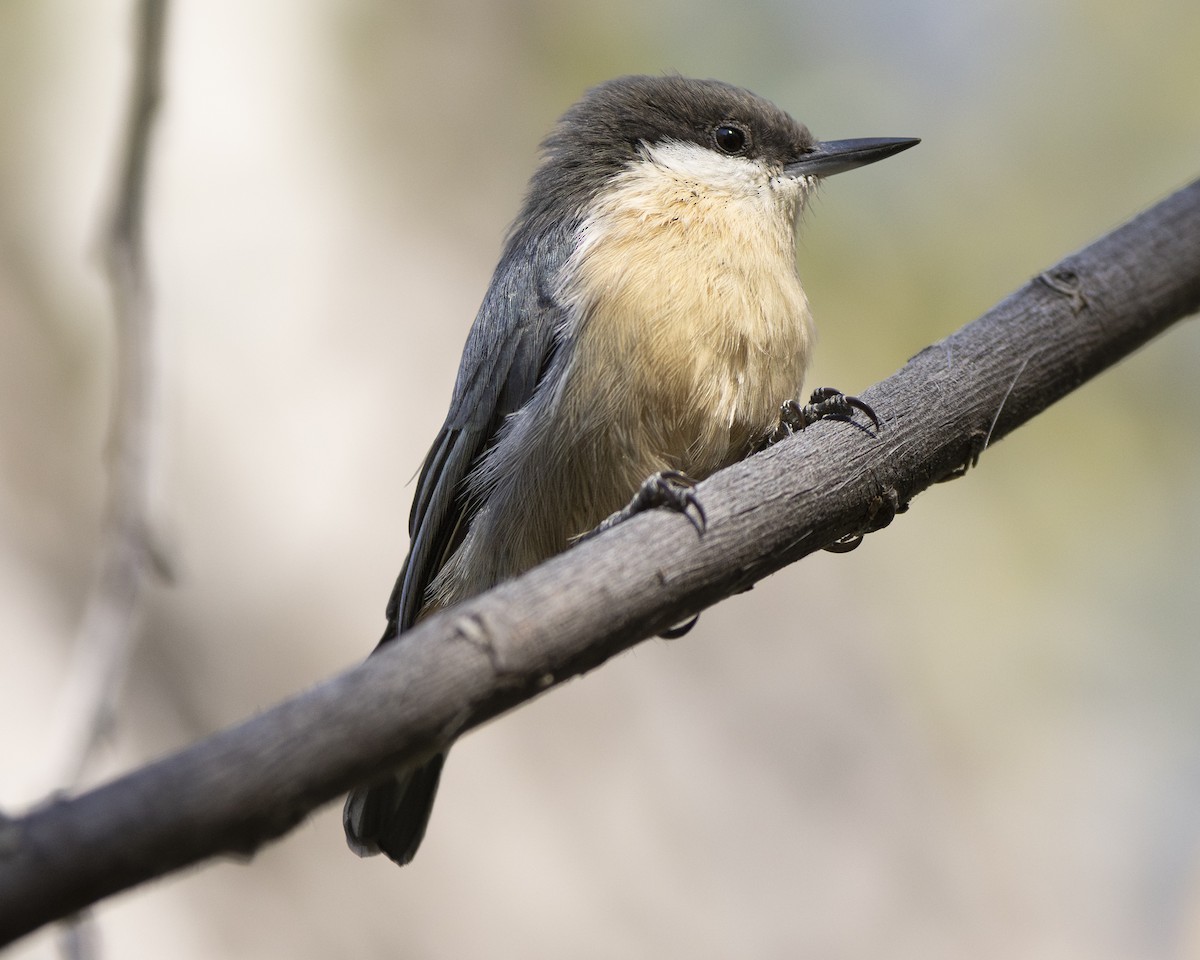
[685, 358]
[689, 330]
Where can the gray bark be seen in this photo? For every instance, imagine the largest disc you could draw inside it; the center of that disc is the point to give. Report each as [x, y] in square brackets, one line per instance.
[246, 785]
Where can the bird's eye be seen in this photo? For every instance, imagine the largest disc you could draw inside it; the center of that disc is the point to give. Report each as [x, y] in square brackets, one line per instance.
[730, 139]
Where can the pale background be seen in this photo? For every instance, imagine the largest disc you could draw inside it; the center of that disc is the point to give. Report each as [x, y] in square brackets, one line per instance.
[977, 736]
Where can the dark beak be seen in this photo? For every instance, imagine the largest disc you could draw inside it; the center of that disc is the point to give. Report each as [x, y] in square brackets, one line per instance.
[835, 156]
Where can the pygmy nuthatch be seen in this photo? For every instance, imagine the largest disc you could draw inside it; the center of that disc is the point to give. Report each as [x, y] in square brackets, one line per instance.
[645, 319]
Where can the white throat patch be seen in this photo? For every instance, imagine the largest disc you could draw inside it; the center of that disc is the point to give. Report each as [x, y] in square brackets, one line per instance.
[718, 174]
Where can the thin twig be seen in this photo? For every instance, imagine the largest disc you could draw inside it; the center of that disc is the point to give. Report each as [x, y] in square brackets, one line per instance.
[108, 626]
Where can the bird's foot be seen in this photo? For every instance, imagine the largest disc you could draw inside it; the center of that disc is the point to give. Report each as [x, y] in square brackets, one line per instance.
[881, 512]
[825, 403]
[671, 489]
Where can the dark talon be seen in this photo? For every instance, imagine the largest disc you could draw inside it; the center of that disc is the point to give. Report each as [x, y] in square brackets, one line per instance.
[677, 631]
[880, 513]
[845, 544]
[825, 403]
[831, 402]
[670, 488]
[865, 407]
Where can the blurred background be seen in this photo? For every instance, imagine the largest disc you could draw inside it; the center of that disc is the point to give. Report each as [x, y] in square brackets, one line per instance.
[978, 735]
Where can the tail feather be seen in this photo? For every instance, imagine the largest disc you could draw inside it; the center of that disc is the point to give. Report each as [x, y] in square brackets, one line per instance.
[389, 816]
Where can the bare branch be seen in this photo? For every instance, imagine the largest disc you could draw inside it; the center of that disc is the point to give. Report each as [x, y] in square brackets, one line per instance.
[108, 626]
[239, 788]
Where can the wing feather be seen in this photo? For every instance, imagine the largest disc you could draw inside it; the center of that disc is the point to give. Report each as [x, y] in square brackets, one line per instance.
[508, 350]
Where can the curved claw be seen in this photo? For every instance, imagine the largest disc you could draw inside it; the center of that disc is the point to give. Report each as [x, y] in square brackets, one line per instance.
[670, 488]
[673, 489]
[677, 631]
[865, 407]
[825, 403]
[831, 402]
[845, 544]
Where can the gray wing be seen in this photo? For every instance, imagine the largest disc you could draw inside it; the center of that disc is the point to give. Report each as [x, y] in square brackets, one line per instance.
[507, 352]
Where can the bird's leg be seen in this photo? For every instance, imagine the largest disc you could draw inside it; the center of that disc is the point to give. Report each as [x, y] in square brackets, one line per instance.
[670, 488]
[825, 403]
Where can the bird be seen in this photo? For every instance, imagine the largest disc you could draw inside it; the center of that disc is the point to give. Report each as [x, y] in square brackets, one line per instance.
[645, 326]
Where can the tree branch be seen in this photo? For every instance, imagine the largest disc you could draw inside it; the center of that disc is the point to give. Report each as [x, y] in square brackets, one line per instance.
[243, 786]
[108, 625]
